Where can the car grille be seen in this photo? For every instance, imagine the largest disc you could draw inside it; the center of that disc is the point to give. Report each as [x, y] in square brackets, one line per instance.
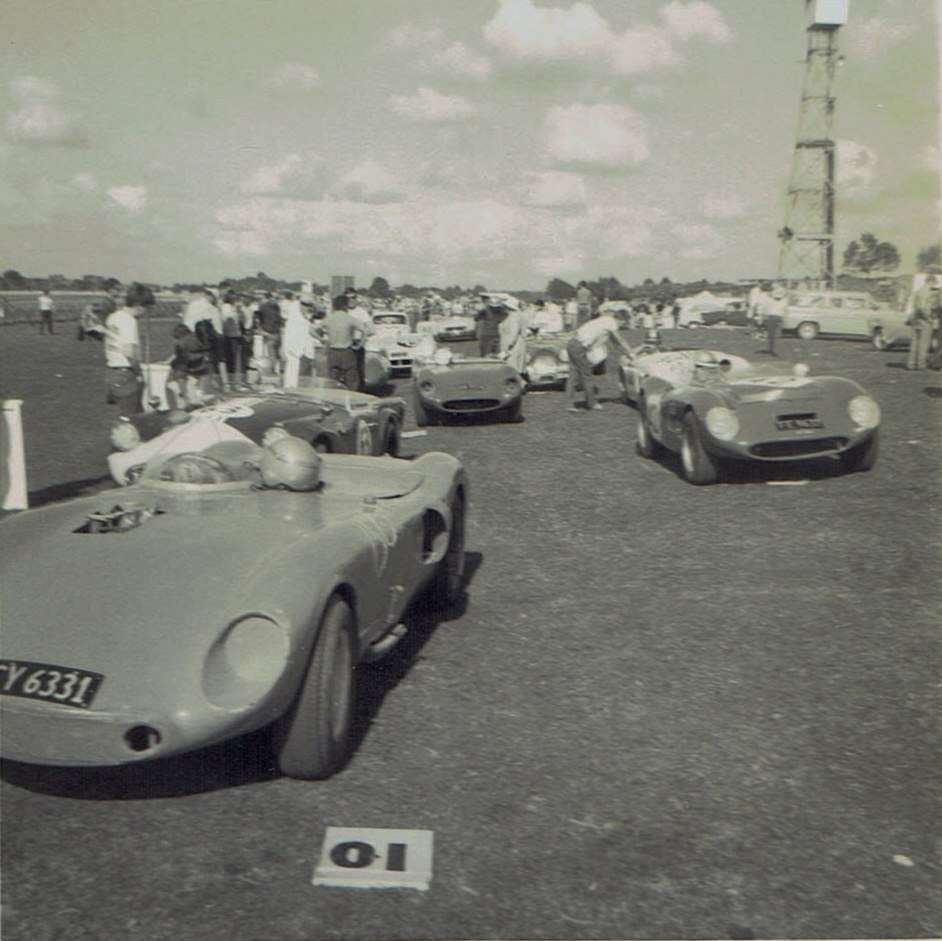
[798, 447]
[470, 405]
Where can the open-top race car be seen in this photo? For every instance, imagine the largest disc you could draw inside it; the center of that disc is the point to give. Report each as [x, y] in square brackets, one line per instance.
[457, 327]
[324, 413]
[453, 385]
[394, 339]
[237, 589]
[546, 363]
[715, 408]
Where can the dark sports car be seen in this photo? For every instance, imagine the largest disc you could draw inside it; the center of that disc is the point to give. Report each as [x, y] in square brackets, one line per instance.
[452, 385]
[224, 602]
[712, 409]
[326, 414]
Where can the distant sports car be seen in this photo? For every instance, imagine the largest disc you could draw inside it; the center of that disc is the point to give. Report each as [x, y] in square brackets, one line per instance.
[452, 385]
[712, 410]
[454, 328]
[326, 415]
[546, 364]
[394, 339]
[224, 602]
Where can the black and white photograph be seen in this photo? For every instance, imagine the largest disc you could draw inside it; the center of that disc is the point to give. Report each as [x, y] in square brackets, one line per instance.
[470, 471]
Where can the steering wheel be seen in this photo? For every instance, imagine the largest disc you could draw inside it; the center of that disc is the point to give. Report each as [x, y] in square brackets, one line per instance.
[191, 467]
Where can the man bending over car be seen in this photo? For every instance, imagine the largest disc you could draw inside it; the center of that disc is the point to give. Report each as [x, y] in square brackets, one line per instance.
[588, 348]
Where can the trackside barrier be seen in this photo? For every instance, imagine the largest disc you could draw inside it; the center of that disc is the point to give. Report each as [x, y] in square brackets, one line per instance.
[13, 457]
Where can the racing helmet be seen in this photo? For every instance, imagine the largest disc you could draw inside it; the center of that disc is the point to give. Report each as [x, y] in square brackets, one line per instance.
[291, 463]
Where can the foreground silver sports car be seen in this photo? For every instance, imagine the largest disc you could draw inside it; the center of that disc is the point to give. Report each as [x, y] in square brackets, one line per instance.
[218, 605]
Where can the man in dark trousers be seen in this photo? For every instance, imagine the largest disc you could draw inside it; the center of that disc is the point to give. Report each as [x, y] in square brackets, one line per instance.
[343, 335]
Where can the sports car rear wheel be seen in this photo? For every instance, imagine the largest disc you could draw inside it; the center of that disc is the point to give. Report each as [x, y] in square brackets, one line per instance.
[445, 588]
[317, 737]
[698, 465]
[863, 457]
[422, 415]
[807, 330]
[879, 340]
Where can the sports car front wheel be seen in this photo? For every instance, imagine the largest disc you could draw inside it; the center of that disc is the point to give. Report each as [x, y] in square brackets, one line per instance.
[445, 588]
[863, 457]
[647, 446]
[318, 734]
[698, 465]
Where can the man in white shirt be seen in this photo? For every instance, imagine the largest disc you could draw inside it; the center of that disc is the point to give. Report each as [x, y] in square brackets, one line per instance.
[123, 378]
[46, 309]
[589, 347]
[359, 312]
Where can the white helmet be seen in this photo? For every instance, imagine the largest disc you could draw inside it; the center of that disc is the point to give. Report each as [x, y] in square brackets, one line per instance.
[292, 463]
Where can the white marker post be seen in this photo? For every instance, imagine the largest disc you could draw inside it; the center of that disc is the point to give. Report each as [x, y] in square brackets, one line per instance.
[357, 857]
[13, 463]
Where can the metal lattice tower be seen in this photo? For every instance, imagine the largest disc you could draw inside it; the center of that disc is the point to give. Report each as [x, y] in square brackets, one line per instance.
[807, 237]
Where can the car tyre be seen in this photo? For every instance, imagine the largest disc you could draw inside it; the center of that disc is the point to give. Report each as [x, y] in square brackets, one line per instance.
[422, 415]
[807, 330]
[513, 413]
[862, 457]
[698, 465]
[878, 340]
[318, 732]
[391, 440]
[446, 587]
[647, 445]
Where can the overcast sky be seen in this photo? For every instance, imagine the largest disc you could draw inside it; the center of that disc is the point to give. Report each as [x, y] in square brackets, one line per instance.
[500, 142]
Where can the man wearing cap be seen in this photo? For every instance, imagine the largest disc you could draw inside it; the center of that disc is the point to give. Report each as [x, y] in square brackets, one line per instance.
[588, 347]
[773, 313]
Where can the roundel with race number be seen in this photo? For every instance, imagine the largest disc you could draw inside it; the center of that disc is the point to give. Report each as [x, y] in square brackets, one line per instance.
[364, 437]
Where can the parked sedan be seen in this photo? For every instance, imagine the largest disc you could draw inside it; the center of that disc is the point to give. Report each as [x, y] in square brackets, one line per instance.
[230, 596]
[854, 315]
[711, 416]
[328, 416]
[452, 385]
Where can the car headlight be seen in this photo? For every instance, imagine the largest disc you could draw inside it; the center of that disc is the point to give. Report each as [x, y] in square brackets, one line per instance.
[124, 435]
[864, 411]
[564, 356]
[512, 385]
[722, 423]
[245, 661]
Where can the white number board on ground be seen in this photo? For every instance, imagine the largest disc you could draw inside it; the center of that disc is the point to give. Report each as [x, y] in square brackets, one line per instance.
[375, 858]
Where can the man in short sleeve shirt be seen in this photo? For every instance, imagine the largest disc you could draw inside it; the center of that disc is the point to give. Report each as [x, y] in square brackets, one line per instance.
[588, 347]
[122, 344]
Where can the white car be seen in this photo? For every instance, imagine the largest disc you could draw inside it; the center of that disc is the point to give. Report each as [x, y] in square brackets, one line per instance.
[394, 339]
[455, 328]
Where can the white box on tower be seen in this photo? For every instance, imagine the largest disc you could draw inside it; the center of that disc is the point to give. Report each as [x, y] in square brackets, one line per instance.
[831, 12]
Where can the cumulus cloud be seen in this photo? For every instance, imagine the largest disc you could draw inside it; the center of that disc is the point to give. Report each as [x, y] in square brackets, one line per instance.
[296, 77]
[129, 197]
[697, 20]
[524, 33]
[432, 107]
[556, 189]
[295, 175]
[856, 168]
[872, 36]
[39, 118]
[368, 183]
[522, 30]
[603, 136]
[430, 53]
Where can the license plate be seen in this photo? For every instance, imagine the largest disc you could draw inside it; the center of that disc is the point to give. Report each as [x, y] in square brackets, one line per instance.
[799, 424]
[64, 685]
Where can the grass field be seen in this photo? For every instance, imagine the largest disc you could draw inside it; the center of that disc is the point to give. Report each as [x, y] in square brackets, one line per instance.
[663, 710]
